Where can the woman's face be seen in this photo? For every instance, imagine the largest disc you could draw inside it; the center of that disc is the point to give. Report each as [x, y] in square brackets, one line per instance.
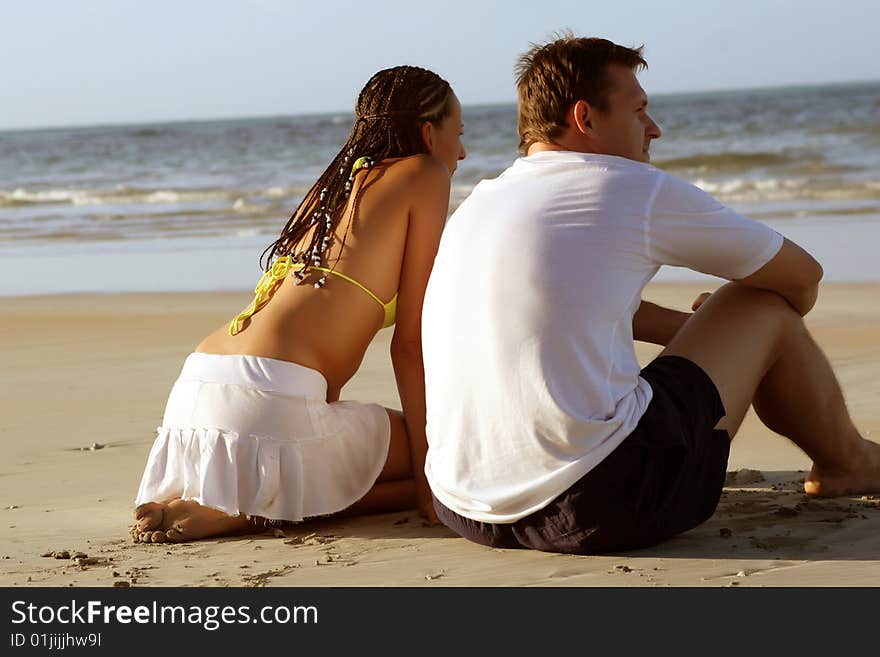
[443, 139]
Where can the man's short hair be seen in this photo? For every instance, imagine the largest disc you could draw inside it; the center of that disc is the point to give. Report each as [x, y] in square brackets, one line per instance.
[552, 77]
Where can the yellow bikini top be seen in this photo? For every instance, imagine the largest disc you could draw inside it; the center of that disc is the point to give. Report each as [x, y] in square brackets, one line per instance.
[280, 269]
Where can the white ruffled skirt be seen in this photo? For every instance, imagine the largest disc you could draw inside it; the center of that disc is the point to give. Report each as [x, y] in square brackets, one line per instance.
[245, 434]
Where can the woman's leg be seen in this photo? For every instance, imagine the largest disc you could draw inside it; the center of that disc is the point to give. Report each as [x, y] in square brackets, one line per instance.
[395, 489]
[179, 520]
[187, 520]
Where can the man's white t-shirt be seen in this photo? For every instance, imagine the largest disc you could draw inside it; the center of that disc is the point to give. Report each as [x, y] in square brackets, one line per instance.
[531, 377]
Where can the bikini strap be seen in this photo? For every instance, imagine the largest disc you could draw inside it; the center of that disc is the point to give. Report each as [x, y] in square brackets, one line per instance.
[390, 312]
[350, 280]
[265, 287]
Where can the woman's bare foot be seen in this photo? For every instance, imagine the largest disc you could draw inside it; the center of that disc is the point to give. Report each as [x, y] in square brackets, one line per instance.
[147, 516]
[186, 520]
[863, 477]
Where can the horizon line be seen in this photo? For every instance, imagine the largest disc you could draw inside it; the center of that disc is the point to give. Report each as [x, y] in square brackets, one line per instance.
[254, 117]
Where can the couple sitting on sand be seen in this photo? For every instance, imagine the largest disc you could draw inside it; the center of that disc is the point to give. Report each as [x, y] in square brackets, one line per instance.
[526, 421]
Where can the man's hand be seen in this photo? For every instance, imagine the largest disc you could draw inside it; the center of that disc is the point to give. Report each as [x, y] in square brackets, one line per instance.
[700, 300]
[656, 324]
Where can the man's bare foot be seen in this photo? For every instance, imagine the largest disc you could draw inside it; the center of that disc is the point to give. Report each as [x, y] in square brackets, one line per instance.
[186, 520]
[862, 478]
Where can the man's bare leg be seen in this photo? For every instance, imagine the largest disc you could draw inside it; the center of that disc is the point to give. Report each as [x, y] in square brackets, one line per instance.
[756, 349]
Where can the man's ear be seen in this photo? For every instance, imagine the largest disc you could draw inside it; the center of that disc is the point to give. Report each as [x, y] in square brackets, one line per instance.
[580, 117]
[427, 131]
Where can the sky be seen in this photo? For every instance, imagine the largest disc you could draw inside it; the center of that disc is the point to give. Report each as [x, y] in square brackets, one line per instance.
[93, 62]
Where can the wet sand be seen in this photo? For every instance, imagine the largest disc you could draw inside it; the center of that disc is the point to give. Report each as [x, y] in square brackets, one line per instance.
[85, 382]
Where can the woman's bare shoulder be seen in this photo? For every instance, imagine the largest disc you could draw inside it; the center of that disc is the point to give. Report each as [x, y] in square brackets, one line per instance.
[418, 170]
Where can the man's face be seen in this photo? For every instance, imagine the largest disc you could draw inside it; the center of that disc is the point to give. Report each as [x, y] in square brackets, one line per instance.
[626, 129]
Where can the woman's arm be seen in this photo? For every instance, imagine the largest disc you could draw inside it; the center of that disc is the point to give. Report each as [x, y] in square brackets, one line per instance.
[427, 216]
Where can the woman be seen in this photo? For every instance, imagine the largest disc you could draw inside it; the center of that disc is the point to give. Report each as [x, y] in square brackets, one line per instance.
[253, 429]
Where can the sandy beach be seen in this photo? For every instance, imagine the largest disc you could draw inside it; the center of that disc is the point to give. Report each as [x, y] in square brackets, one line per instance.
[85, 382]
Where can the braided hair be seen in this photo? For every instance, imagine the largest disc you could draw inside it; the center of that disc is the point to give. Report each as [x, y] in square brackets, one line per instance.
[390, 111]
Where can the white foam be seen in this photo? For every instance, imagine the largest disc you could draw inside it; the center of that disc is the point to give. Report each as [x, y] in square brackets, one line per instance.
[744, 190]
[163, 196]
[116, 196]
[45, 196]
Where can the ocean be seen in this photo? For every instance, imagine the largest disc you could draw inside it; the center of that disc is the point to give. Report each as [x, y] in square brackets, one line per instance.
[191, 205]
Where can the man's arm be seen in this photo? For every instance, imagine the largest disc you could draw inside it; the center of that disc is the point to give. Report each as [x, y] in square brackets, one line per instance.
[792, 273]
[656, 324]
[689, 228]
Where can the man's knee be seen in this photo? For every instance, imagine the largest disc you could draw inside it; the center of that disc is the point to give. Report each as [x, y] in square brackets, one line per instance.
[758, 303]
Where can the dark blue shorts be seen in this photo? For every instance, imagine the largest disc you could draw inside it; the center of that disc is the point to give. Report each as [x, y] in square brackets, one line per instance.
[666, 477]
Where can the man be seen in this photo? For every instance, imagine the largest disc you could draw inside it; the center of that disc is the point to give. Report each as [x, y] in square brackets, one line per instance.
[542, 431]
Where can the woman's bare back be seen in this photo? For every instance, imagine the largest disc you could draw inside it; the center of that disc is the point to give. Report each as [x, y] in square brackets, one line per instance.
[329, 328]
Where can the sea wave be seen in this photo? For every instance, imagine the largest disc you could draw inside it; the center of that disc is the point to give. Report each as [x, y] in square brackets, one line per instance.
[137, 196]
[833, 211]
[115, 196]
[150, 132]
[728, 161]
[745, 190]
